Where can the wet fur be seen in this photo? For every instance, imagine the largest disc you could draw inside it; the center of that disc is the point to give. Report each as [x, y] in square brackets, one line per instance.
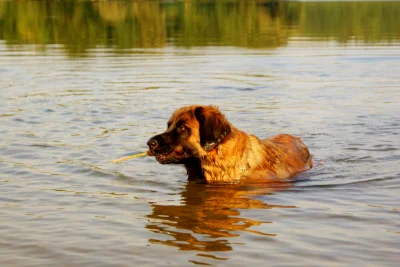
[213, 150]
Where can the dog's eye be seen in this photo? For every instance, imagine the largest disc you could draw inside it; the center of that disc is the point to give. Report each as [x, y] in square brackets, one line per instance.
[181, 129]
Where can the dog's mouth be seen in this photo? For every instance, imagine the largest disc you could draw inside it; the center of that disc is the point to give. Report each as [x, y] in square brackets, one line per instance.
[166, 157]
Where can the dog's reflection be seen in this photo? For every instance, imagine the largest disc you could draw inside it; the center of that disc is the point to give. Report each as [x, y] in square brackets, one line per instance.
[210, 216]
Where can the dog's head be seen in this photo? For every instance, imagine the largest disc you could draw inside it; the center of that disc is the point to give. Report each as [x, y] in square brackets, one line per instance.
[191, 132]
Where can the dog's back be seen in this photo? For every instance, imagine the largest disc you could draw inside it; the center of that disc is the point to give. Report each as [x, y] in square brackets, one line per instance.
[290, 154]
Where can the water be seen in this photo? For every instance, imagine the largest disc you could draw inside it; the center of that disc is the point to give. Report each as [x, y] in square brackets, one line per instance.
[71, 101]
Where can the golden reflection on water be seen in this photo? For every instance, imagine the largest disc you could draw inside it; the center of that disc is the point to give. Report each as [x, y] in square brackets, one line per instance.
[210, 216]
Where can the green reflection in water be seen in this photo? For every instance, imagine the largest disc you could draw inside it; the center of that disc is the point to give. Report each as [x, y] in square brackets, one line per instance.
[81, 25]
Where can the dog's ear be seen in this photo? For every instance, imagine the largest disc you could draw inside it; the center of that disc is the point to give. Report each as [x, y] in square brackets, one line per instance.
[213, 127]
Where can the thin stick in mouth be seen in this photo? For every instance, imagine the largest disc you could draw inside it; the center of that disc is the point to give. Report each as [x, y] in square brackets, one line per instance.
[129, 157]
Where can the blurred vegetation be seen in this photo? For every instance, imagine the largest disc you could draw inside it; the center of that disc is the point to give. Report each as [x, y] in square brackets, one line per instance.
[81, 25]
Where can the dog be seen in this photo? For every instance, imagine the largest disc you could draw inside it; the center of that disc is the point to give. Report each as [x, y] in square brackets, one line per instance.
[214, 151]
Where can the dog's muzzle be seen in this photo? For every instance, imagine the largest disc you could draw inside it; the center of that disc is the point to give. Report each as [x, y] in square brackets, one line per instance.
[157, 146]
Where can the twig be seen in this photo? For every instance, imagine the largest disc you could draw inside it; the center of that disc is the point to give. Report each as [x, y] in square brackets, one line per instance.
[129, 157]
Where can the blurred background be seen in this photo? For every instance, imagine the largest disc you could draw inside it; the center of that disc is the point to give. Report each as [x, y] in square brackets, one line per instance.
[122, 25]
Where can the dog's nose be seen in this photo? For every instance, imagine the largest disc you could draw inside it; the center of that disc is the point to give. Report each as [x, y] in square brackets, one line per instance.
[152, 143]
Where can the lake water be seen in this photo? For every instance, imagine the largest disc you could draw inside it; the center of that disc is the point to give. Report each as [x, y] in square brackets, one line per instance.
[83, 83]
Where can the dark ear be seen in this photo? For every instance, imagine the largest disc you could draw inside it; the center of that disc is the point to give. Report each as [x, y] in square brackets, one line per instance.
[213, 127]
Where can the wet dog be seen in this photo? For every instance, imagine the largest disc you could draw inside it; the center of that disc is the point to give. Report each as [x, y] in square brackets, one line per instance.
[213, 150]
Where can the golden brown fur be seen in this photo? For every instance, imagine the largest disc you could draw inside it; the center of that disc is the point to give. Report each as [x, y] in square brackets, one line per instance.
[212, 149]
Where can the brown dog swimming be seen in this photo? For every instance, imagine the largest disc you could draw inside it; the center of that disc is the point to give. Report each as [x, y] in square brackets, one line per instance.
[213, 150]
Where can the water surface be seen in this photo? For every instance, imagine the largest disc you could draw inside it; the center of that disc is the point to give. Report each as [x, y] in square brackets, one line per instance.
[85, 82]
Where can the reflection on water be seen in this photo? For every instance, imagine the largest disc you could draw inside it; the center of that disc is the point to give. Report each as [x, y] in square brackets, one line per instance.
[81, 25]
[210, 216]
